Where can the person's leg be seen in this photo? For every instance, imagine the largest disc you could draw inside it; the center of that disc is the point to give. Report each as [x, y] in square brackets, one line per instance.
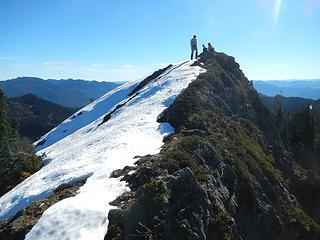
[192, 50]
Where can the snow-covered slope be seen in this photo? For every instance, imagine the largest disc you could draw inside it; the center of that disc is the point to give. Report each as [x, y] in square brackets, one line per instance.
[81, 148]
[87, 115]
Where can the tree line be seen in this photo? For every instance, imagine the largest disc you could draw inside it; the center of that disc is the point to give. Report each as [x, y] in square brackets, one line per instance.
[300, 132]
[17, 155]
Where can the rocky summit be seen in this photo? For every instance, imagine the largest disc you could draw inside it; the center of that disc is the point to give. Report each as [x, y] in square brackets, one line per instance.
[224, 174]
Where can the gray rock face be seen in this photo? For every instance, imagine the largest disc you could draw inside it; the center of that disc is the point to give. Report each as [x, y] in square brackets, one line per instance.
[188, 211]
[207, 154]
[180, 211]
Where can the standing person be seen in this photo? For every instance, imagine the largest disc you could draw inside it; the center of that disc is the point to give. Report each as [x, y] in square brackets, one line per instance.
[194, 48]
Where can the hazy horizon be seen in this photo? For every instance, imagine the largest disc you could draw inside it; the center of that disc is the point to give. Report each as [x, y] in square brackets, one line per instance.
[266, 80]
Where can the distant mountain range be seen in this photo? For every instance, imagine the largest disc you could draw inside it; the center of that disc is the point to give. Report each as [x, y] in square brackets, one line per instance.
[35, 116]
[290, 88]
[68, 93]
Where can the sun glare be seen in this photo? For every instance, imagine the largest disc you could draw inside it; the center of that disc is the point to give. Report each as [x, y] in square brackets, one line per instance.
[277, 9]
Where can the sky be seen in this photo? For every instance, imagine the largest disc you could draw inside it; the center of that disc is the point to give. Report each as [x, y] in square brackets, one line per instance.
[110, 40]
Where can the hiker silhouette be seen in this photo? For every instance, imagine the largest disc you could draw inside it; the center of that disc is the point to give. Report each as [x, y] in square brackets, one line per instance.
[194, 48]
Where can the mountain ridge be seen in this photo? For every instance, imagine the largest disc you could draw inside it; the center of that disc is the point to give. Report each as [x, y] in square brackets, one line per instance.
[68, 93]
[224, 173]
[35, 116]
[294, 88]
[193, 154]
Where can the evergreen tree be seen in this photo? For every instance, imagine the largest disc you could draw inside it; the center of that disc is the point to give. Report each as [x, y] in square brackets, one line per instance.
[302, 138]
[308, 131]
[4, 125]
[5, 131]
[4, 138]
[17, 157]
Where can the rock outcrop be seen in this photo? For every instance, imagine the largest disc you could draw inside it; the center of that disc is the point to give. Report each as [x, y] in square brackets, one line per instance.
[224, 174]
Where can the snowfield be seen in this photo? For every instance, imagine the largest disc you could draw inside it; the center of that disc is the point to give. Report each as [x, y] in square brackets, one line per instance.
[81, 149]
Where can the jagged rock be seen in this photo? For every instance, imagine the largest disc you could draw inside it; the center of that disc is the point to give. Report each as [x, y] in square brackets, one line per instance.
[116, 173]
[207, 154]
[187, 214]
[152, 77]
[182, 206]
[142, 176]
[121, 172]
[172, 168]
[125, 197]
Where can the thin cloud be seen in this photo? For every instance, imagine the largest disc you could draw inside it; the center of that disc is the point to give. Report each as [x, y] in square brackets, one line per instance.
[22, 65]
[124, 68]
[97, 67]
[59, 63]
[8, 58]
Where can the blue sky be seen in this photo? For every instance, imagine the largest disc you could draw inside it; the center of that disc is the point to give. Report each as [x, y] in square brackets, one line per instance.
[124, 40]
